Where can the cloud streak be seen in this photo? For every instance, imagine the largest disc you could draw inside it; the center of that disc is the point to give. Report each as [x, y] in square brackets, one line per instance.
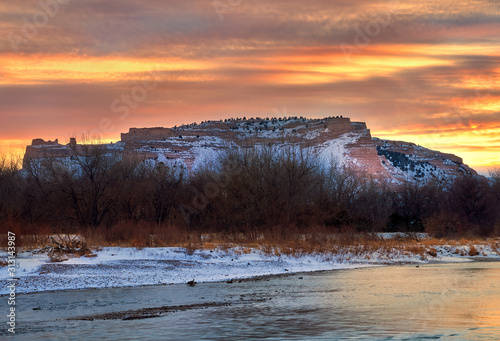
[431, 75]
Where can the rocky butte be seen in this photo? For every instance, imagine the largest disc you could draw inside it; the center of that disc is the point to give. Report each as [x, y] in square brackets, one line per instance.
[332, 140]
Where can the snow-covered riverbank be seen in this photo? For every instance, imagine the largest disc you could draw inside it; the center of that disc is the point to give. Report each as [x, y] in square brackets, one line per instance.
[116, 266]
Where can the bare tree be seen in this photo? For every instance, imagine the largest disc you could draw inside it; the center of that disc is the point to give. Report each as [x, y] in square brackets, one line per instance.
[9, 186]
[472, 201]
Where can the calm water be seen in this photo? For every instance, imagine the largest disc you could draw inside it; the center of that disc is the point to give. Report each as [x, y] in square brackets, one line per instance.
[450, 301]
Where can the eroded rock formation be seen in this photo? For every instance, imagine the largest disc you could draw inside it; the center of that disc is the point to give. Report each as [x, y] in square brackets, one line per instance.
[332, 139]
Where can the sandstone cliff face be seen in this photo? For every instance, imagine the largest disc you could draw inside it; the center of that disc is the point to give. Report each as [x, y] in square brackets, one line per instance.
[408, 160]
[45, 149]
[331, 140]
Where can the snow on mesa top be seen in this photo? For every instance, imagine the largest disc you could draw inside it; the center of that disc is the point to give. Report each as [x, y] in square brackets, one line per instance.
[330, 139]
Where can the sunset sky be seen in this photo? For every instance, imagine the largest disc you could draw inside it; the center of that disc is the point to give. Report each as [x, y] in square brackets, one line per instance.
[423, 71]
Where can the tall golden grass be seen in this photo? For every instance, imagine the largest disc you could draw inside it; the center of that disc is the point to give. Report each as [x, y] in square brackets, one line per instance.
[316, 240]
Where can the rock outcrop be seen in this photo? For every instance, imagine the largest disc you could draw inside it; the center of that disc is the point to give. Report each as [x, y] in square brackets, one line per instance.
[332, 139]
[408, 160]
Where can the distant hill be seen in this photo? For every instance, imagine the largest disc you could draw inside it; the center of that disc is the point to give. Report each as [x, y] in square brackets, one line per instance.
[331, 139]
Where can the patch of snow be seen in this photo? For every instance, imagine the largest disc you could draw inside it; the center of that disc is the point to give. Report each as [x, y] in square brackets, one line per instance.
[336, 149]
[204, 156]
[116, 266]
[313, 134]
[162, 158]
[393, 235]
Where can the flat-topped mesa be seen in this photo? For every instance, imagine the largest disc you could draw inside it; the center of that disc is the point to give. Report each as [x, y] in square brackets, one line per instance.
[329, 139]
[190, 143]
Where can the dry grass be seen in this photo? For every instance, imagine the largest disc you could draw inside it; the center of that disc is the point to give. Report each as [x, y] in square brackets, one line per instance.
[495, 245]
[432, 252]
[473, 251]
[316, 240]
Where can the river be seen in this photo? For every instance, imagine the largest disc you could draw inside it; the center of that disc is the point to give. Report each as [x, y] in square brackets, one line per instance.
[435, 301]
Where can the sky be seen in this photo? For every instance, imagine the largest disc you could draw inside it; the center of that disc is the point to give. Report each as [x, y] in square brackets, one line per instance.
[421, 71]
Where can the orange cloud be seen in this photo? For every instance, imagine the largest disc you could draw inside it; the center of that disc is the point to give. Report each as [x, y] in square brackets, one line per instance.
[428, 74]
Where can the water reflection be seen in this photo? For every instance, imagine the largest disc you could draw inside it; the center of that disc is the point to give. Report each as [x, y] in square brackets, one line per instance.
[455, 301]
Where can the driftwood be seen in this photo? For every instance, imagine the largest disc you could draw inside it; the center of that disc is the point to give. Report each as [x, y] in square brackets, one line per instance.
[59, 250]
